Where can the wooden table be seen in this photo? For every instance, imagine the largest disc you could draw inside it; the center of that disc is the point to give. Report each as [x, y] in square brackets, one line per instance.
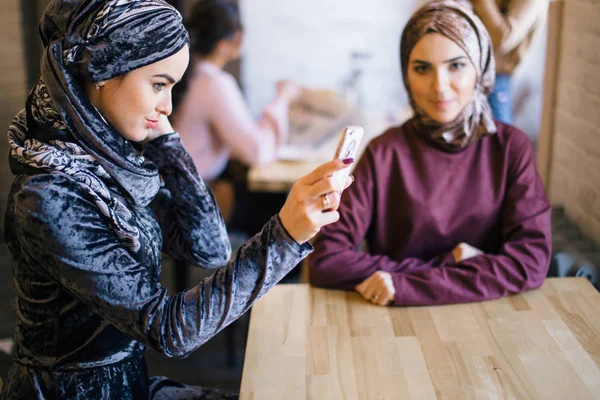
[308, 343]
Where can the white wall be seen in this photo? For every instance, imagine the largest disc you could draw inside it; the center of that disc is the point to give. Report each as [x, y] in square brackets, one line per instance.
[310, 41]
[528, 86]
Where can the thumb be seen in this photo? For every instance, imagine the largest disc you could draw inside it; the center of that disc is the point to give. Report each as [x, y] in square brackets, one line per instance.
[361, 287]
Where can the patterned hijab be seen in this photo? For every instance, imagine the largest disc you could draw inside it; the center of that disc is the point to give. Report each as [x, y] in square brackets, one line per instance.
[459, 24]
[61, 131]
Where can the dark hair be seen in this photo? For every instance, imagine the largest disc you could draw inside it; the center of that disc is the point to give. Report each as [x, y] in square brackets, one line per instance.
[208, 22]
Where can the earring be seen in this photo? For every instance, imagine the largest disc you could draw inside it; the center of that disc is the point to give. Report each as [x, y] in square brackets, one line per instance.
[97, 87]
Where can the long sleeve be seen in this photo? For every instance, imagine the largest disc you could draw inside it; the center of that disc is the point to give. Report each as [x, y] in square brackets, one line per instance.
[520, 265]
[251, 142]
[337, 261]
[70, 242]
[192, 226]
[509, 28]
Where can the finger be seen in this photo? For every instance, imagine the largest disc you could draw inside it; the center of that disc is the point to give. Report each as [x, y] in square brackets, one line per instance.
[349, 181]
[380, 291]
[370, 289]
[325, 170]
[361, 291]
[329, 202]
[362, 294]
[360, 288]
[325, 218]
[322, 186]
[381, 295]
[384, 297]
[335, 201]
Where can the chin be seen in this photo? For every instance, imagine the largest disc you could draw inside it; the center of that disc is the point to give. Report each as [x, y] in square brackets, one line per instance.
[137, 136]
[443, 118]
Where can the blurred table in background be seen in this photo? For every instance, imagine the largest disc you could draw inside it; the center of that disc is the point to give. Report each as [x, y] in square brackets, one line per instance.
[296, 160]
[310, 343]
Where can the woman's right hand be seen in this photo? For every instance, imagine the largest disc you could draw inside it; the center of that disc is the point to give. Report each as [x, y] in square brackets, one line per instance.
[313, 201]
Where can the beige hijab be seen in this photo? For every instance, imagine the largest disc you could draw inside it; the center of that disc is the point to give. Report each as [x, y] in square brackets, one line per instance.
[460, 25]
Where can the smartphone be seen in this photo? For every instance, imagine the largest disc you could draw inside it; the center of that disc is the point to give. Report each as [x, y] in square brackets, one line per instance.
[347, 148]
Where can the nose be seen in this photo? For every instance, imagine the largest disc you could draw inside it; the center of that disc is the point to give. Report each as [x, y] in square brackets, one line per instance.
[440, 81]
[165, 106]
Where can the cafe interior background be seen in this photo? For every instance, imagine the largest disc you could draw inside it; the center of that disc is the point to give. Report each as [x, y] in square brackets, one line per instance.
[350, 48]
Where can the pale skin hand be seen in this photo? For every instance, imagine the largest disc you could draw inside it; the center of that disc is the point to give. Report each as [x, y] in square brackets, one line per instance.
[465, 251]
[378, 288]
[303, 213]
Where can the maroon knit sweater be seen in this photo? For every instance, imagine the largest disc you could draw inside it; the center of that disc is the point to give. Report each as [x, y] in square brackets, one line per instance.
[413, 203]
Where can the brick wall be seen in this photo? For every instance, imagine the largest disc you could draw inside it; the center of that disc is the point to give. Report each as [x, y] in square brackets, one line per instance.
[575, 164]
[12, 86]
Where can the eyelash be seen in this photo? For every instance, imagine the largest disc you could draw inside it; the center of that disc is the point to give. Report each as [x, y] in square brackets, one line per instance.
[159, 86]
[457, 65]
[422, 69]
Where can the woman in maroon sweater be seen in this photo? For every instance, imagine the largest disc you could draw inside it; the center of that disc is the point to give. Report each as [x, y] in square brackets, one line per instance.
[450, 204]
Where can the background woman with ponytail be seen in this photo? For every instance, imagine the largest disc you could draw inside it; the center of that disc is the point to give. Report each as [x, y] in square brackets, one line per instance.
[213, 119]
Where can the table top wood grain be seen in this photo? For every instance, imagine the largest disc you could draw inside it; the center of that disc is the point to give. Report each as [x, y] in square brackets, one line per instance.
[310, 343]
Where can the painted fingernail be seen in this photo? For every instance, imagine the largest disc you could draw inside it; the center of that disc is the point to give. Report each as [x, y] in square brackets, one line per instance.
[348, 160]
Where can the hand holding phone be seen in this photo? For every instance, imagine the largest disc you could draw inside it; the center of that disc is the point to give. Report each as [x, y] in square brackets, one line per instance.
[347, 148]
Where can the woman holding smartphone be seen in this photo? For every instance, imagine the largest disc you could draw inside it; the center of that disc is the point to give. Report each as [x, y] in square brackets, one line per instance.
[88, 219]
[450, 204]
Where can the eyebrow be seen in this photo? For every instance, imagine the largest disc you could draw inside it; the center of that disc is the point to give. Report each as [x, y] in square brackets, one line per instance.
[166, 76]
[446, 61]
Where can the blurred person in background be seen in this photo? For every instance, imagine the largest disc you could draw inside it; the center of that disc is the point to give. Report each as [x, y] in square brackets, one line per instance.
[511, 25]
[214, 121]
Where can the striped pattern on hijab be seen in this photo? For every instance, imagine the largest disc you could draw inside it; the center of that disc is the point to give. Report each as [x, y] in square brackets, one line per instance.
[60, 131]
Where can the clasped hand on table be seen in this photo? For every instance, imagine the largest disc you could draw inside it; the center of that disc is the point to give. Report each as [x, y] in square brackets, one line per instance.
[379, 287]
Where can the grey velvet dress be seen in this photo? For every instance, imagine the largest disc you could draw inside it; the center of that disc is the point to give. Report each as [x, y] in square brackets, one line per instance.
[87, 308]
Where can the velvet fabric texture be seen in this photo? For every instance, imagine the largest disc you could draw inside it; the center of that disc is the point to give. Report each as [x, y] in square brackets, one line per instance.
[87, 222]
[29, 154]
[459, 24]
[88, 307]
[413, 204]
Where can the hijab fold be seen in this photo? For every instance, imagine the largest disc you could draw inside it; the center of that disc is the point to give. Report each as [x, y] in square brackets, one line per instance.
[60, 130]
[459, 24]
